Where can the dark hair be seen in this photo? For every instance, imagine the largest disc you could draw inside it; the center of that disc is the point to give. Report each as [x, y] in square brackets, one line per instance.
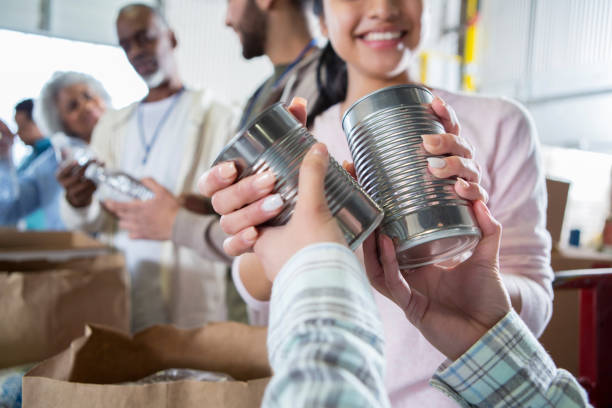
[26, 106]
[332, 79]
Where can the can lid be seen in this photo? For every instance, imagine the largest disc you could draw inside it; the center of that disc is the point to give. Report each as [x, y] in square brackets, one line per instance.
[257, 136]
[407, 94]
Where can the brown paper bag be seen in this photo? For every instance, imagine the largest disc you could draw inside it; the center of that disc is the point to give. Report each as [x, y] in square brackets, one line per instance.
[81, 375]
[46, 304]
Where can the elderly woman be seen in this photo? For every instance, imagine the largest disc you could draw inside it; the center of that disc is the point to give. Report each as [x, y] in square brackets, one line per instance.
[70, 104]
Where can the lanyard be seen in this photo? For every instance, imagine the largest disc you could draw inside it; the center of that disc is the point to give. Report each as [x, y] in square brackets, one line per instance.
[148, 146]
[292, 65]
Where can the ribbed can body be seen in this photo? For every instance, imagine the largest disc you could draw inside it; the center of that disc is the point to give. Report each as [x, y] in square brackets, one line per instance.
[276, 141]
[424, 216]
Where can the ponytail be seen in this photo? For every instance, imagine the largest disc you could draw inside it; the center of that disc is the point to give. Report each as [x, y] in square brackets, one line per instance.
[332, 81]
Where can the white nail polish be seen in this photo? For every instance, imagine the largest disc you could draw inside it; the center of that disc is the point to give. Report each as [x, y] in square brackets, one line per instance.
[226, 242]
[436, 162]
[271, 203]
[453, 116]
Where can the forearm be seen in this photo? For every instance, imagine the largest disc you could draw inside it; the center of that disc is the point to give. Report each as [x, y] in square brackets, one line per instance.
[253, 277]
[200, 233]
[324, 334]
[530, 300]
[514, 292]
[20, 195]
[258, 310]
[507, 367]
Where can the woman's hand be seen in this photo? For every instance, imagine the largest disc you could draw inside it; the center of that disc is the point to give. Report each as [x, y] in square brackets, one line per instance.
[147, 219]
[451, 308]
[460, 160]
[246, 203]
[311, 222]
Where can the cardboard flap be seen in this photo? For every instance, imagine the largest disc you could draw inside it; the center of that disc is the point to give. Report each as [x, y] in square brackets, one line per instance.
[106, 356]
[18, 246]
[558, 191]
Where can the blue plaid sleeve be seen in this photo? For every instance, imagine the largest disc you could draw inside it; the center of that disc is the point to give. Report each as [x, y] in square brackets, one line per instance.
[325, 336]
[508, 367]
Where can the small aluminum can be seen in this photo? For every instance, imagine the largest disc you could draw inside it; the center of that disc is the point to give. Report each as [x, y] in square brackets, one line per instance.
[277, 141]
[427, 221]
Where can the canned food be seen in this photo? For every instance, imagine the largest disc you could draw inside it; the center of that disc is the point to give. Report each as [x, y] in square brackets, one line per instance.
[276, 141]
[427, 221]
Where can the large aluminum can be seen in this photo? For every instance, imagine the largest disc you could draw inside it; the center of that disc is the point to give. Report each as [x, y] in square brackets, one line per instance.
[277, 141]
[427, 221]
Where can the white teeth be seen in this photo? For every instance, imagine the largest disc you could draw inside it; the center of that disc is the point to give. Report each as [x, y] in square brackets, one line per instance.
[382, 36]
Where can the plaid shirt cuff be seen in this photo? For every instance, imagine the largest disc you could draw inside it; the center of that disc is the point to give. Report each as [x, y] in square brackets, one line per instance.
[508, 367]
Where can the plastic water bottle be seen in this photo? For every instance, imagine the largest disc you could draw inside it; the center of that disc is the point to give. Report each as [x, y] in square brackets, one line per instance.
[122, 185]
[118, 181]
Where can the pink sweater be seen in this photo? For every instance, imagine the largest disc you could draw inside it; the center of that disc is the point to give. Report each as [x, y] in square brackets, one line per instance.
[508, 152]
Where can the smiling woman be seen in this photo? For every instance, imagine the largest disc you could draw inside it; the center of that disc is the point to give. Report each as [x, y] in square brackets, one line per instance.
[371, 45]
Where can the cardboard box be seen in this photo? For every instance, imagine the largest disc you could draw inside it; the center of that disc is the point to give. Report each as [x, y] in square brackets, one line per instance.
[16, 246]
[558, 192]
[87, 373]
[51, 285]
[561, 337]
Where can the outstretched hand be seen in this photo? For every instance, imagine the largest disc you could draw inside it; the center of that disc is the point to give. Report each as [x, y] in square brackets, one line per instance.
[311, 222]
[451, 308]
[149, 219]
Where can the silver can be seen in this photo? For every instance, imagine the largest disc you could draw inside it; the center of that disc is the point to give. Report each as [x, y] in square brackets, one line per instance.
[276, 141]
[427, 221]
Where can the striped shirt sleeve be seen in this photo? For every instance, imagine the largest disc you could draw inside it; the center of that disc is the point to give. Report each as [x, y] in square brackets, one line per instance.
[325, 336]
[508, 367]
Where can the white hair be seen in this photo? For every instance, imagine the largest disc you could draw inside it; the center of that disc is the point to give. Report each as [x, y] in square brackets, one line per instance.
[46, 112]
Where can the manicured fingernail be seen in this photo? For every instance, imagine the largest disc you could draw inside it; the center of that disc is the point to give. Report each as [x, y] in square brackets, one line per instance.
[250, 235]
[264, 181]
[271, 203]
[453, 116]
[463, 183]
[227, 171]
[436, 162]
[431, 140]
